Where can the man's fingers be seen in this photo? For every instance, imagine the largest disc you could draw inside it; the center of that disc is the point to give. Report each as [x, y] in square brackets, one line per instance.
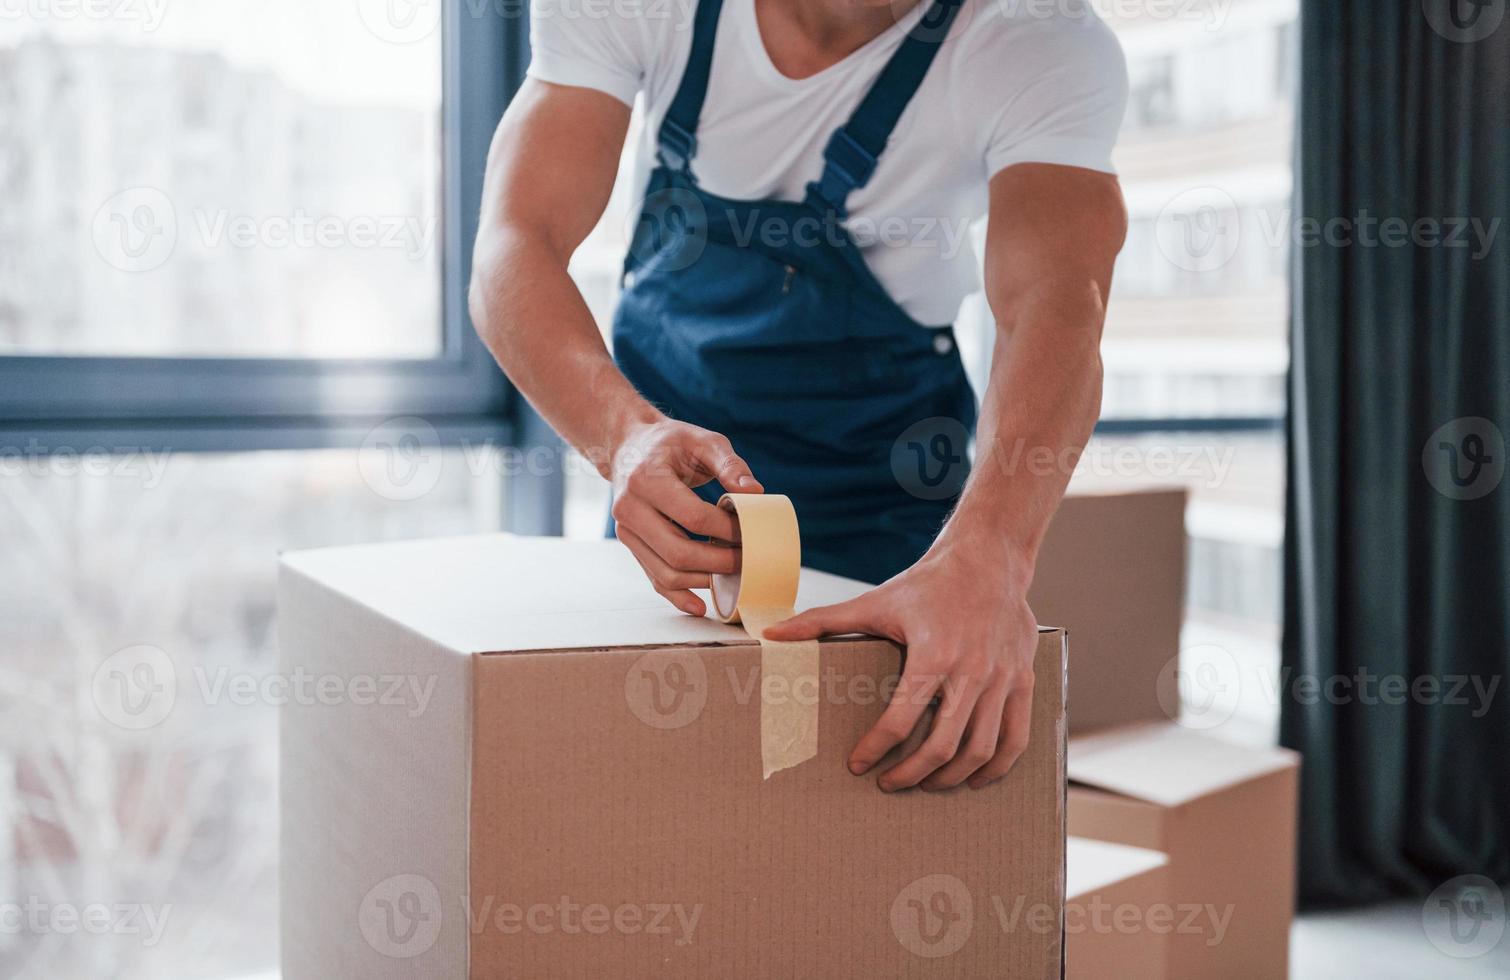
[1016, 719]
[717, 458]
[908, 703]
[981, 738]
[658, 570]
[669, 542]
[695, 514]
[661, 575]
[853, 616]
[943, 741]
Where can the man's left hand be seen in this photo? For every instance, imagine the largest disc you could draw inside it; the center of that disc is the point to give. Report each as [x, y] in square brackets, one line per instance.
[970, 640]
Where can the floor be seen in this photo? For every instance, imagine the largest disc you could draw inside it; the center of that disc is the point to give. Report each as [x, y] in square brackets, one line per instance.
[1388, 942]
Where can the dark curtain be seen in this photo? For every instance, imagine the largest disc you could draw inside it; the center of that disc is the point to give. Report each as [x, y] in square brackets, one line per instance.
[1397, 561]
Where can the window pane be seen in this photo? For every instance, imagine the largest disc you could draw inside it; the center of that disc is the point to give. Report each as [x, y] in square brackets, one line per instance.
[228, 178]
[1198, 322]
[124, 571]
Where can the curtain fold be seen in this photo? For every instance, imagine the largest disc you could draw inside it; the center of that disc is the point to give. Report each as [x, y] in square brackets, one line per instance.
[1397, 553]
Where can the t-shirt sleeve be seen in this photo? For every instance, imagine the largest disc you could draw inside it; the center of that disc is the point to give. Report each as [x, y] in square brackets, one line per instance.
[1061, 96]
[603, 51]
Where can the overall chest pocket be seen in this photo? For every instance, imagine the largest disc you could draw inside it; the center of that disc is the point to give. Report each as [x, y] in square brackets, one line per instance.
[762, 325]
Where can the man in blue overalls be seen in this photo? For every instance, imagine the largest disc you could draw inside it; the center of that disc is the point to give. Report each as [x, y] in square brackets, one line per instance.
[808, 170]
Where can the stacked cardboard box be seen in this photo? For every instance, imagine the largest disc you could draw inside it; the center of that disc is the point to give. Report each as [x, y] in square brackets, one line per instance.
[1111, 892]
[1112, 573]
[551, 773]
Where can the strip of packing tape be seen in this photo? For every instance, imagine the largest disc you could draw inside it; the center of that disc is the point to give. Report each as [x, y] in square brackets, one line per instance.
[763, 592]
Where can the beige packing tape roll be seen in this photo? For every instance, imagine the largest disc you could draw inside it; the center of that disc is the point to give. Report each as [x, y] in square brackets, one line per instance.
[763, 592]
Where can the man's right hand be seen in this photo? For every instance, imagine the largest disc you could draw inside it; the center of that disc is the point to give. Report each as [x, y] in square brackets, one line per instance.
[654, 468]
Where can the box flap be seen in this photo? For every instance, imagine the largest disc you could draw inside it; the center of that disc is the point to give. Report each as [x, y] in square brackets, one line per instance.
[1091, 865]
[1163, 763]
[502, 593]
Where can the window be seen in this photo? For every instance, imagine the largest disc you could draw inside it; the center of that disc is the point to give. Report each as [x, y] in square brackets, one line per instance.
[225, 210]
[234, 239]
[280, 198]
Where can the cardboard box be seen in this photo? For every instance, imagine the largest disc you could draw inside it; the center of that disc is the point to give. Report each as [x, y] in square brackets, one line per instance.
[549, 772]
[1111, 572]
[1117, 914]
[1224, 814]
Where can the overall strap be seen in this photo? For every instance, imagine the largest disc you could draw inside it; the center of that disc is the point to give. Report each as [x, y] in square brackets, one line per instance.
[676, 144]
[850, 158]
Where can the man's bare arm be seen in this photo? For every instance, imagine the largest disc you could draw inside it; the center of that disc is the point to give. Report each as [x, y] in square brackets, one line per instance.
[550, 173]
[962, 609]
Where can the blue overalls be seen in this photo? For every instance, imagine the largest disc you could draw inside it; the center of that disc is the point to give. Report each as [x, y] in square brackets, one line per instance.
[761, 320]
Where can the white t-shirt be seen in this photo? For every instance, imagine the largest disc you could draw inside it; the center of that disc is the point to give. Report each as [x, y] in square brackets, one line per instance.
[1015, 82]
